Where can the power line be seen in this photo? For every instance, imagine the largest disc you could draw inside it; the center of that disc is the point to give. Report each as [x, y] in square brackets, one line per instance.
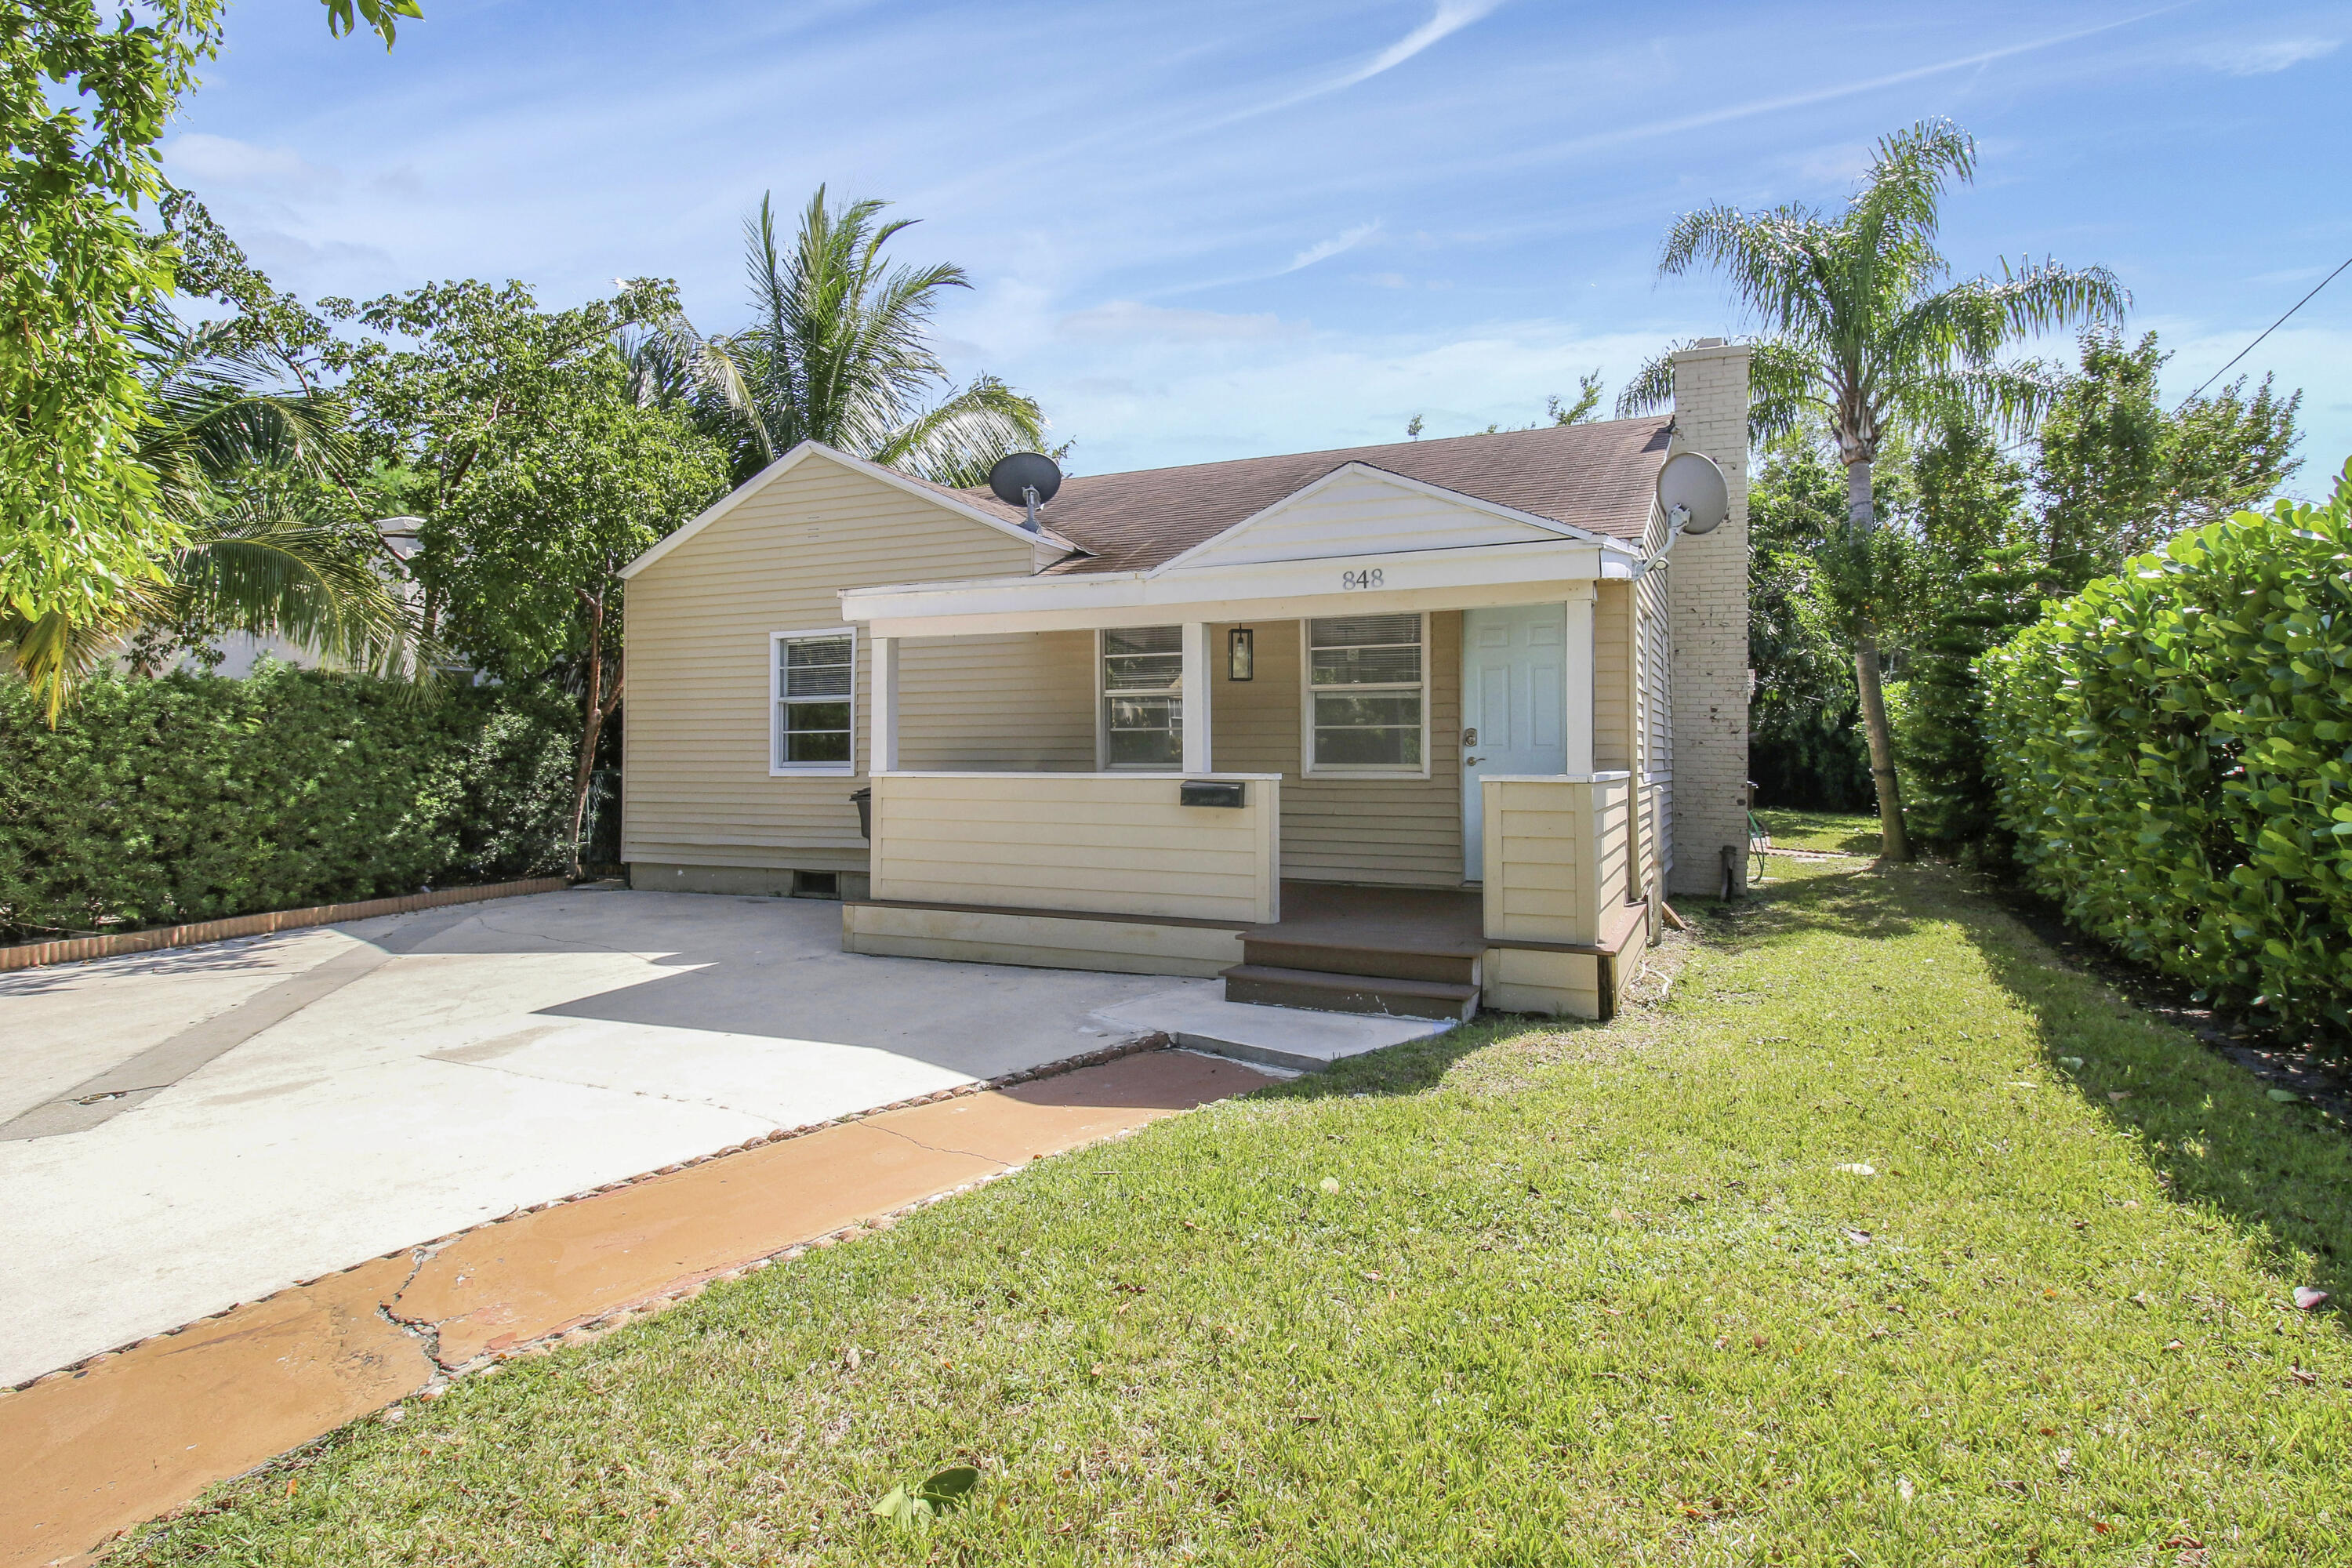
[2274, 327]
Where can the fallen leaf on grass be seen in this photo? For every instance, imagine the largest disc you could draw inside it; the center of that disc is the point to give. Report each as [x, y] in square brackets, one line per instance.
[2306, 1297]
[2071, 1064]
[2116, 1096]
[2182, 1543]
[1858, 1169]
[2303, 1375]
[1329, 1183]
[2285, 1096]
[2174, 1345]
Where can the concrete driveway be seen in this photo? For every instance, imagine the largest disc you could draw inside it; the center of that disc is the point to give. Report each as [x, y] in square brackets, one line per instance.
[184, 1131]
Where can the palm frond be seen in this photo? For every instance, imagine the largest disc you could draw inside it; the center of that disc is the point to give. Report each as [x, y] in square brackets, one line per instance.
[839, 350]
[254, 570]
[956, 443]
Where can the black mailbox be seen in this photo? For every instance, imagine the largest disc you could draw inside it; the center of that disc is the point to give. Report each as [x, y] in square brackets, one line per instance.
[1192, 794]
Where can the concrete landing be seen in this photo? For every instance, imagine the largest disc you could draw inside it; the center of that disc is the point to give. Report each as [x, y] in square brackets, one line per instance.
[1289, 1037]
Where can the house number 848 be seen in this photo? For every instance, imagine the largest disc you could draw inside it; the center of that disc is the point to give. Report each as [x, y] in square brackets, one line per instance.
[1365, 579]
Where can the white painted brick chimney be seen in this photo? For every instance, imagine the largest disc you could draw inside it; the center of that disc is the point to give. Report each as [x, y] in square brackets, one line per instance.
[1707, 586]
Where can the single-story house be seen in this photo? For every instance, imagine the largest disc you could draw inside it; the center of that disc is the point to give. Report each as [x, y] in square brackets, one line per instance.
[1399, 728]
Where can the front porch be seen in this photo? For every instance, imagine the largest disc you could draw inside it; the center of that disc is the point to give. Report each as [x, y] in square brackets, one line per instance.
[1409, 788]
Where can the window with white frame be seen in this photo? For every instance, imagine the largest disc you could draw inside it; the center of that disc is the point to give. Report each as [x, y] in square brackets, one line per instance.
[1143, 696]
[814, 680]
[1367, 690]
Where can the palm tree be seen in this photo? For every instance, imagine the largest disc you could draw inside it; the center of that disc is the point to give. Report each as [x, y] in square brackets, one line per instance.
[1862, 334]
[234, 464]
[838, 352]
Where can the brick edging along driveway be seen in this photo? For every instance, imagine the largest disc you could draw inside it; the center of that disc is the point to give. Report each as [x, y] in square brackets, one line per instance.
[71, 950]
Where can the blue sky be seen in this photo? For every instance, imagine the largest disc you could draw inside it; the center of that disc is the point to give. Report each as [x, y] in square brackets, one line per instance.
[1215, 229]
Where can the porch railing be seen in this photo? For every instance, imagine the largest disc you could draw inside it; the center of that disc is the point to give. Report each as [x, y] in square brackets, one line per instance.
[1119, 844]
[1557, 853]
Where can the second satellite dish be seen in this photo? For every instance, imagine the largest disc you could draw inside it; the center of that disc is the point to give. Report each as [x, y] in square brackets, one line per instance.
[1025, 480]
[1691, 484]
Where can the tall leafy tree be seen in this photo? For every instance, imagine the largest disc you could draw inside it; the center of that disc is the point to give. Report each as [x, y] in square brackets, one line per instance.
[525, 555]
[83, 101]
[839, 351]
[2118, 473]
[1863, 333]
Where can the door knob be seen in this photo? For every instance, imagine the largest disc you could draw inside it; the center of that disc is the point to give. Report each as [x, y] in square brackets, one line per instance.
[1472, 762]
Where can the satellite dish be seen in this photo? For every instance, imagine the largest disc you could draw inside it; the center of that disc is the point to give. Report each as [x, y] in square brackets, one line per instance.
[1691, 484]
[1017, 474]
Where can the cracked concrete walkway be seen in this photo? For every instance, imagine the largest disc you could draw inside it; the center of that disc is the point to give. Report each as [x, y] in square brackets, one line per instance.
[271, 1110]
[132, 1435]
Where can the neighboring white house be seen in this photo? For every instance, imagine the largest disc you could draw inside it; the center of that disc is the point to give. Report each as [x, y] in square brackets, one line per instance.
[1399, 728]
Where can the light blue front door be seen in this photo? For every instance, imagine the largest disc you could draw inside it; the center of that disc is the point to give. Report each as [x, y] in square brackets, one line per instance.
[1514, 707]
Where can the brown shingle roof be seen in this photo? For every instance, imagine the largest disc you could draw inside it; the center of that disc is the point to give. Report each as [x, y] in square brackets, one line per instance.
[1595, 476]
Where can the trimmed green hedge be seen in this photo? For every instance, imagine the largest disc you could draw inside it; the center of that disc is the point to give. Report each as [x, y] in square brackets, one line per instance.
[2174, 747]
[194, 797]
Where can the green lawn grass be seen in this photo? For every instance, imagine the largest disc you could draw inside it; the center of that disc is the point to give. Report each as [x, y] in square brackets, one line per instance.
[1582, 1295]
[1845, 832]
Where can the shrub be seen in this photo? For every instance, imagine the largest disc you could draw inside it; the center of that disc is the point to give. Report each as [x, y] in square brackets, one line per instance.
[194, 797]
[2174, 746]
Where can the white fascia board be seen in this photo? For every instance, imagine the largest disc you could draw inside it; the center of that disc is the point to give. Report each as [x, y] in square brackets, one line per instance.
[1471, 576]
[1366, 471]
[807, 450]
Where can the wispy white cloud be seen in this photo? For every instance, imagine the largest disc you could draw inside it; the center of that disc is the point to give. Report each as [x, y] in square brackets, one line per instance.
[224, 161]
[1128, 320]
[1450, 17]
[2262, 60]
[1753, 108]
[1324, 250]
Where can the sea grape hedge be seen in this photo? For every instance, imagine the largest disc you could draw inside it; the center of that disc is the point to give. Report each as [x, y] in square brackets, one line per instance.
[2173, 747]
[195, 796]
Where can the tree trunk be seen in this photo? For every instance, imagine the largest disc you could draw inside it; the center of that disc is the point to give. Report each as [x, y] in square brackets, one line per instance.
[1894, 844]
[591, 726]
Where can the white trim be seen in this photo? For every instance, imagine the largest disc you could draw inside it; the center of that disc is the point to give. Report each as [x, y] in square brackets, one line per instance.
[1576, 681]
[1468, 577]
[882, 745]
[792, 460]
[1123, 774]
[1439, 492]
[1619, 776]
[1192, 685]
[777, 767]
[1308, 766]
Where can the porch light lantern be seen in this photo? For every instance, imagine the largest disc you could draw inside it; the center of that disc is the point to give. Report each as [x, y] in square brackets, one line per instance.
[1241, 654]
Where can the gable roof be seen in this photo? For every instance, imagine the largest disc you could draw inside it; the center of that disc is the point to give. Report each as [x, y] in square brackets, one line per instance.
[994, 515]
[1598, 479]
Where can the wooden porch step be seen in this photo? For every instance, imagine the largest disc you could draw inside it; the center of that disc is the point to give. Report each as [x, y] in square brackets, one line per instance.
[1270, 986]
[1379, 961]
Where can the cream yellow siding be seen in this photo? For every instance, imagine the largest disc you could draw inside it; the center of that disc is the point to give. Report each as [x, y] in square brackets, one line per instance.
[1022, 701]
[1110, 844]
[1396, 832]
[1555, 854]
[695, 735]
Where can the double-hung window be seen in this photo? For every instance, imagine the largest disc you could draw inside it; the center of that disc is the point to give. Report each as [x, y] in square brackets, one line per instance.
[1143, 696]
[1368, 694]
[813, 681]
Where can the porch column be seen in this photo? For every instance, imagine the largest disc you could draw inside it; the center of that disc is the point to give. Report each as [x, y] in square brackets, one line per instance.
[883, 746]
[1578, 680]
[1196, 697]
